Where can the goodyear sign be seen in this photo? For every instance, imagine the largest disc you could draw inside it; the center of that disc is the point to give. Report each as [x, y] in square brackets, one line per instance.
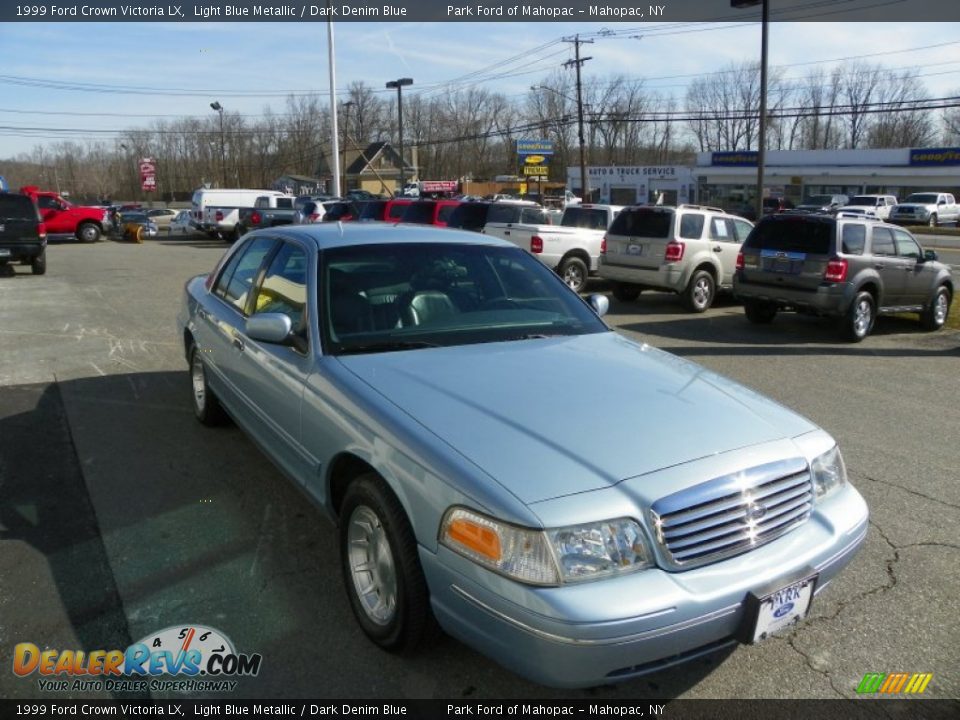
[539, 170]
[534, 147]
[746, 158]
[934, 157]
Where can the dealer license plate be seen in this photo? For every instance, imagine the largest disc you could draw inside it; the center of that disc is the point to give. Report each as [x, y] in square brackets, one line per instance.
[4, 252]
[634, 249]
[783, 608]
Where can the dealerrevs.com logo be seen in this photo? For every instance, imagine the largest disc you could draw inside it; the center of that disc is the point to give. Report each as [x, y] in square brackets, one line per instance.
[189, 658]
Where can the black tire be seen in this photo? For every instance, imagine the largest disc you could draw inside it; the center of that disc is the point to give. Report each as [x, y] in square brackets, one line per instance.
[932, 222]
[934, 317]
[626, 292]
[39, 264]
[239, 232]
[574, 272]
[206, 406]
[381, 569]
[700, 292]
[860, 318]
[759, 312]
[88, 232]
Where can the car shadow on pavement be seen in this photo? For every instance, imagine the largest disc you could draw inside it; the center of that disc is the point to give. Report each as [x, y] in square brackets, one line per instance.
[145, 519]
[192, 242]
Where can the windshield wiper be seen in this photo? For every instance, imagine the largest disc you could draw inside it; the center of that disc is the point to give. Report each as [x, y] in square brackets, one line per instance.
[388, 346]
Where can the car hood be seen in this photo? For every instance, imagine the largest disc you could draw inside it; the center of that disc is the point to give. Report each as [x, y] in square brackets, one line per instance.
[556, 416]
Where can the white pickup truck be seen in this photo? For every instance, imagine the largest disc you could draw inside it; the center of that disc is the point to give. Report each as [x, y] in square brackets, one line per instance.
[223, 221]
[926, 208]
[571, 248]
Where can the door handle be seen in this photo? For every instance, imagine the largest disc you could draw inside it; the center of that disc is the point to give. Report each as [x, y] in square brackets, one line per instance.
[717, 248]
[238, 344]
[506, 232]
[880, 266]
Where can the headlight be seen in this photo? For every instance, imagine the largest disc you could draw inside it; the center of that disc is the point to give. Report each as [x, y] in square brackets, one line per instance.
[547, 557]
[829, 472]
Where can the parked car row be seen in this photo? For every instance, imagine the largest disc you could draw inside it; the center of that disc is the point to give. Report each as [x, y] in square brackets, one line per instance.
[923, 208]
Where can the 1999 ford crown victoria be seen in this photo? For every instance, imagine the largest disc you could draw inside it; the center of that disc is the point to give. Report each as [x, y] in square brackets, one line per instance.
[500, 461]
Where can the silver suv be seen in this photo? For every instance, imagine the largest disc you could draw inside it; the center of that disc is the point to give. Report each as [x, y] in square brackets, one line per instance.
[848, 267]
[689, 249]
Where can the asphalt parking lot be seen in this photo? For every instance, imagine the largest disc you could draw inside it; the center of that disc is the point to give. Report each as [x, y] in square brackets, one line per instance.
[120, 515]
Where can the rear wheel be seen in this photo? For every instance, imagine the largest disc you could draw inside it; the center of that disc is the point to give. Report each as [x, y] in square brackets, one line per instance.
[88, 232]
[574, 272]
[700, 292]
[759, 312]
[206, 406]
[934, 317]
[39, 264]
[859, 320]
[626, 292]
[381, 569]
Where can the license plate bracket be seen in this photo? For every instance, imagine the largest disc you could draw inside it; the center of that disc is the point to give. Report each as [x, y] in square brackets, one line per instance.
[775, 608]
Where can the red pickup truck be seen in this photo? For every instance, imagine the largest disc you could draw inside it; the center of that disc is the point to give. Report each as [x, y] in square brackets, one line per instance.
[64, 220]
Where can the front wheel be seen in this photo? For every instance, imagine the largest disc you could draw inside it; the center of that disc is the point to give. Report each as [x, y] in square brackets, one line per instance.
[932, 222]
[700, 292]
[860, 318]
[381, 570]
[88, 233]
[934, 317]
[574, 272]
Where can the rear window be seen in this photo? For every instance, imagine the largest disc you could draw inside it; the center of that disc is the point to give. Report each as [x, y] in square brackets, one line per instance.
[419, 212]
[588, 218]
[373, 210]
[793, 235]
[469, 216]
[397, 210]
[445, 212]
[503, 214]
[642, 223]
[17, 207]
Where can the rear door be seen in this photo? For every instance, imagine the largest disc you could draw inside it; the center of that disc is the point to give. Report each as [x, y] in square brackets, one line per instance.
[891, 268]
[639, 236]
[789, 251]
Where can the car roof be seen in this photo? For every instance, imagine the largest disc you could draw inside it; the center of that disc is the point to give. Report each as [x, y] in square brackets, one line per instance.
[335, 234]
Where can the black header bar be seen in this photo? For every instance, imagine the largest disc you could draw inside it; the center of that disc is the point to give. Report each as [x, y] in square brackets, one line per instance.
[612, 11]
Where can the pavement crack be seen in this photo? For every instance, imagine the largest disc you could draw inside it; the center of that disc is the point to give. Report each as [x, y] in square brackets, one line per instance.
[912, 492]
[810, 664]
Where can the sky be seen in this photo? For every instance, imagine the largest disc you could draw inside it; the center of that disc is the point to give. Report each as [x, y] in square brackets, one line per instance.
[147, 71]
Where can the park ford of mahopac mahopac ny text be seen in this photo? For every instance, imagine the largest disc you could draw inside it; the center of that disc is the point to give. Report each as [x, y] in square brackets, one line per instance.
[553, 11]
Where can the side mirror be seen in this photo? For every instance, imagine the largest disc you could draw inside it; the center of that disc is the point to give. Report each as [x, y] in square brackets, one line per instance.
[930, 255]
[599, 303]
[270, 328]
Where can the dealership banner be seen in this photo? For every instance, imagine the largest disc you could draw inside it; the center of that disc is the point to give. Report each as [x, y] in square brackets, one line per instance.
[148, 174]
[612, 11]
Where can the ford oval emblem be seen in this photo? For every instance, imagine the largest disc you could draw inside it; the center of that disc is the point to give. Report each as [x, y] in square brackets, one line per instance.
[783, 610]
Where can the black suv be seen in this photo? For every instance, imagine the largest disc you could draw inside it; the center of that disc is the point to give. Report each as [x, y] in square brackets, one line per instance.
[22, 235]
[845, 267]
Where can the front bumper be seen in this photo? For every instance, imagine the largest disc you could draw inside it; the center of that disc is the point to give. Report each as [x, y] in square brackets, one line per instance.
[598, 633]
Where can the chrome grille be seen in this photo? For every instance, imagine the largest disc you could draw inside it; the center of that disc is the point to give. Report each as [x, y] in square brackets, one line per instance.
[733, 513]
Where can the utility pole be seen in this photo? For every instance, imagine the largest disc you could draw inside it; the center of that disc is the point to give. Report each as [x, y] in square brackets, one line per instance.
[578, 62]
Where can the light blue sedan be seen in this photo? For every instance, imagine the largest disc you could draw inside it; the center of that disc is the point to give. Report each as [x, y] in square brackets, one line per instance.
[580, 507]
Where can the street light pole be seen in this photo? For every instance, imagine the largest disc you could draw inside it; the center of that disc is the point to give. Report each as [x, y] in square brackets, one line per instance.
[334, 132]
[578, 63]
[215, 105]
[399, 84]
[346, 137]
[762, 134]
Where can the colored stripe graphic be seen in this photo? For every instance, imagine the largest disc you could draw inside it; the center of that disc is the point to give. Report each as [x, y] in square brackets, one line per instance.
[893, 683]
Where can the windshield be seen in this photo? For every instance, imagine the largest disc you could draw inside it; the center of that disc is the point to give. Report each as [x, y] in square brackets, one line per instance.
[863, 200]
[819, 200]
[924, 198]
[379, 298]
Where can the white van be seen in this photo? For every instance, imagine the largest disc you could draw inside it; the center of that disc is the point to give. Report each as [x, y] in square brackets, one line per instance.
[204, 198]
